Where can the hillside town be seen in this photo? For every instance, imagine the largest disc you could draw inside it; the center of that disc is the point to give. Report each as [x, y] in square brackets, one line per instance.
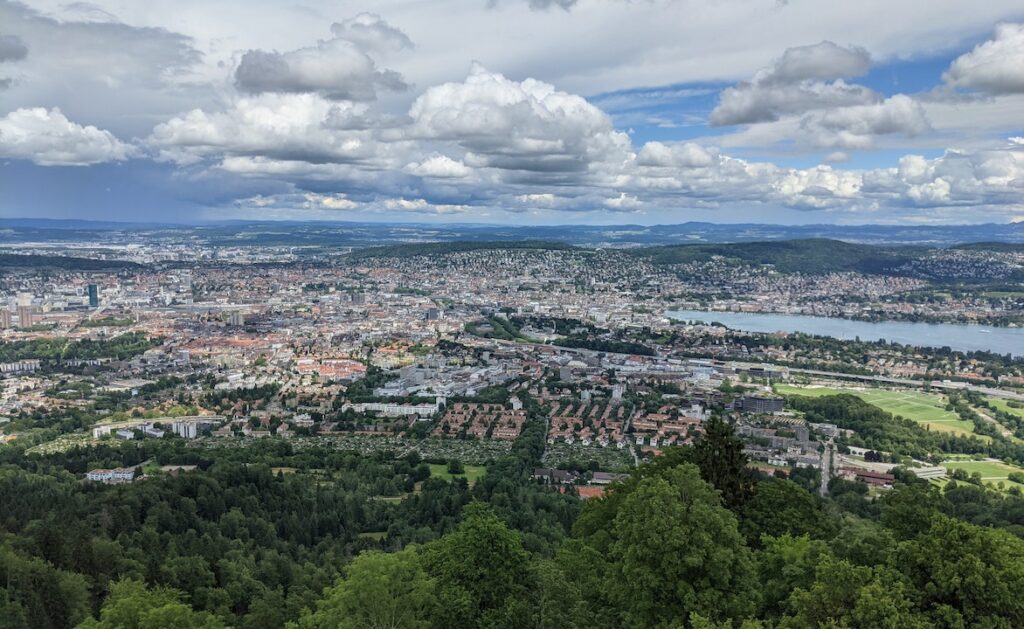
[452, 356]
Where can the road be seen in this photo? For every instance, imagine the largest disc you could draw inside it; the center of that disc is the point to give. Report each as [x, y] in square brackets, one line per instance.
[826, 469]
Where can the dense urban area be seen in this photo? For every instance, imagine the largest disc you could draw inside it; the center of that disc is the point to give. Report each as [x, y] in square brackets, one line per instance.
[207, 432]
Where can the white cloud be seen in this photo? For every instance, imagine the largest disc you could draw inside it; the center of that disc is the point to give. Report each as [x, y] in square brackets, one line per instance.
[372, 33]
[685, 155]
[424, 206]
[120, 76]
[488, 142]
[818, 187]
[294, 127]
[439, 166]
[932, 193]
[795, 83]
[856, 127]
[526, 126]
[545, 199]
[329, 201]
[48, 138]
[993, 178]
[820, 61]
[995, 66]
[623, 202]
[336, 68]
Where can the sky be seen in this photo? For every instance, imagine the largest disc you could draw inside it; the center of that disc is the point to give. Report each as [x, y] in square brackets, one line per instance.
[516, 112]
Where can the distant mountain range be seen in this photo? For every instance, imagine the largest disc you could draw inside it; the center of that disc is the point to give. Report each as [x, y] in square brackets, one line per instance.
[355, 234]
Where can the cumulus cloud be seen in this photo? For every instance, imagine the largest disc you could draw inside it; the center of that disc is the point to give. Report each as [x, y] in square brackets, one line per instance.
[371, 33]
[329, 201]
[545, 199]
[439, 166]
[512, 125]
[335, 68]
[339, 68]
[993, 177]
[685, 155]
[796, 83]
[816, 188]
[856, 127]
[825, 60]
[423, 206]
[107, 52]
[494, 143]
[298, 127]
[48, 138]
[119, 76]
[995, 66]
[623, 202]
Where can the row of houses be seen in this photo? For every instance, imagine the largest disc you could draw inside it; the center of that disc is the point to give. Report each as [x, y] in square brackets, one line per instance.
[113, 476]
[188, 427]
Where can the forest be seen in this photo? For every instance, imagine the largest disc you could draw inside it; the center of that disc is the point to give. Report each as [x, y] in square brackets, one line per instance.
[265, 536]
[119, 347]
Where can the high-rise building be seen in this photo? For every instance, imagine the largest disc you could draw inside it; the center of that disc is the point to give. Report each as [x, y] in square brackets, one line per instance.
[761, 404]
[25, 318]
[236, 319]
[185, 286]
[5, 318]
[94, 296]
[358, 299]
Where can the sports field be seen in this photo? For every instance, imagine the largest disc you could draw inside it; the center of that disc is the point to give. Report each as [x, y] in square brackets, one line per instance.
[927, 409]
[989, 470]
[472, 473]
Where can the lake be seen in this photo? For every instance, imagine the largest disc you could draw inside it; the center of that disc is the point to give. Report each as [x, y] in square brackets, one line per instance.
[957, 336]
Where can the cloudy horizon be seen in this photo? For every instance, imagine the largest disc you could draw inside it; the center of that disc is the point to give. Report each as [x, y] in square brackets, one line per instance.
[513, 111]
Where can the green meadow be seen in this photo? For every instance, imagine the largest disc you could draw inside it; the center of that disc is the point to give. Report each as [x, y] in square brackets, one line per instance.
[927, 409]
[472, 474]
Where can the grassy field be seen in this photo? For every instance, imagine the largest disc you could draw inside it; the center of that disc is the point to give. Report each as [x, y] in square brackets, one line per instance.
[1001, 404]
[990, 470]
[927, 409]
[472, 473]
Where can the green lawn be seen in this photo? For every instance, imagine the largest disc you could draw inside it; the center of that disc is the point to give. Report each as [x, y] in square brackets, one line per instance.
[927, 409]
[1002, 405]
[989, 470]
[472, 473]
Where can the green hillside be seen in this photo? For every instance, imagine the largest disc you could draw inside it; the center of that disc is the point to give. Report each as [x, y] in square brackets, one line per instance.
[816, 255]
[442, 248]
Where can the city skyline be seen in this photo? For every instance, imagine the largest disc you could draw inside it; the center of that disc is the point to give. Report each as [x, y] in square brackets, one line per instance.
[513, 112]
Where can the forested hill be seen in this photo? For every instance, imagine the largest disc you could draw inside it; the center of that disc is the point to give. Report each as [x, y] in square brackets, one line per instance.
[817, 255]
[63, 263]
[441, 248]
[692, 540]
[1001, 247]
